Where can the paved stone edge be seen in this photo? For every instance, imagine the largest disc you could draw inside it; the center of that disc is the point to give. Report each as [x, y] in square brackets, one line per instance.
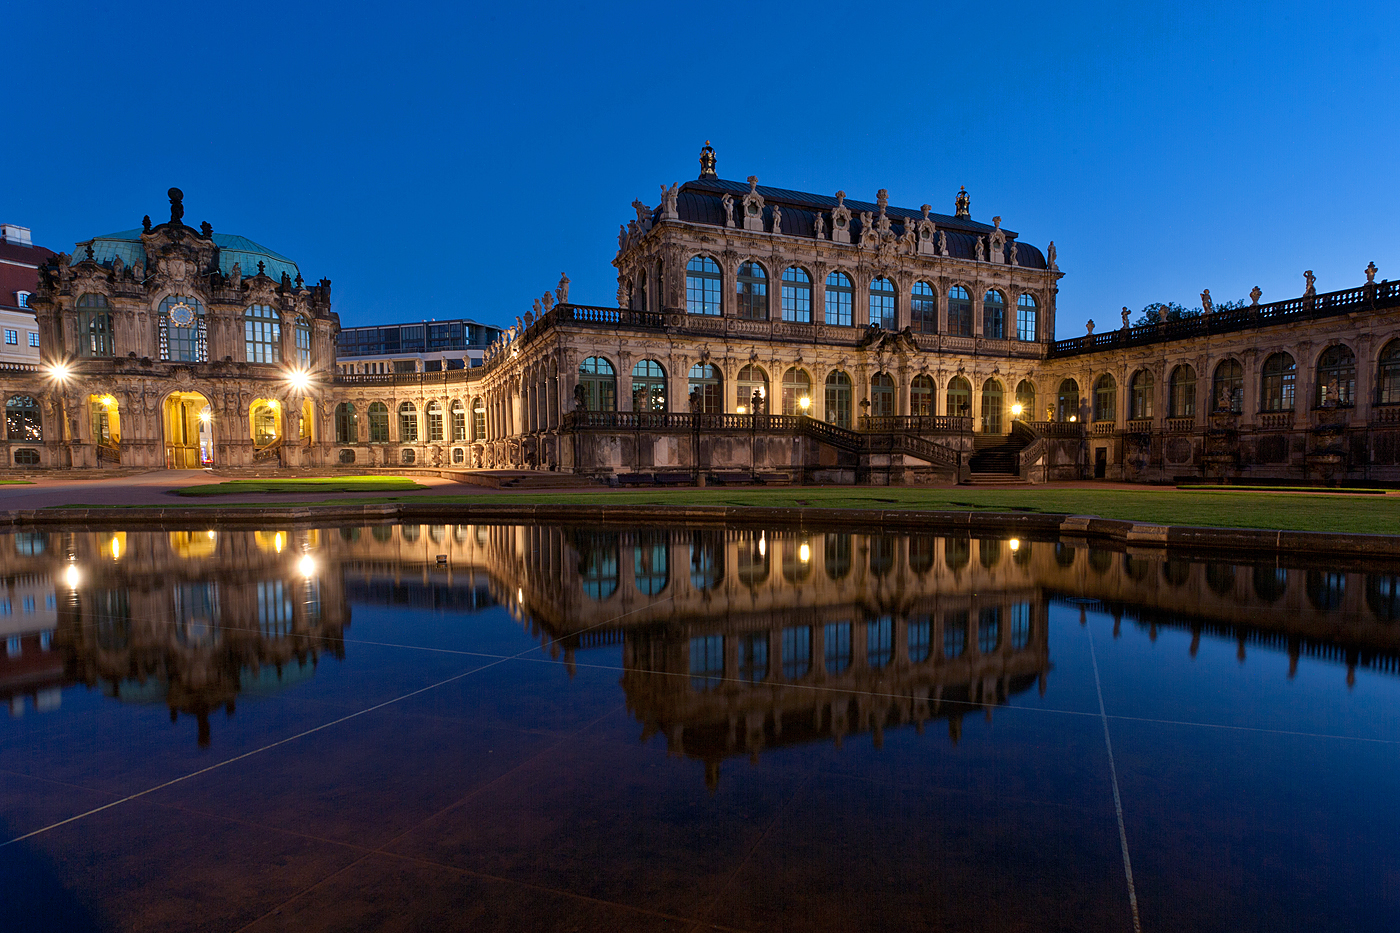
[1135, 534]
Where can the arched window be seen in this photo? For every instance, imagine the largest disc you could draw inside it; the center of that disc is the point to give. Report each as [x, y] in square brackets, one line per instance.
[706, 559]
[797, 295]
[923, 309]
[1227, 390]
[838, 399]
[649, 563]
[639, 293]
[22, 419]
[1383, 596]
[957, 553]
[346, 430]
[408, 423]
[1140, 395]
[302, 332]
[703, 282]
[262, 334]
[1067, 401]
[94, 327]
[1388, 375]
[991, 406]
[599, 381]
[752, 291]
[1277, 383]
[882, 395]
[988, 629]
[994, 315]
[959, 398]
[959, 312]
[435, 432]
[1183, 393]
[797, 385]
[1025, 397]
[922, 397]
[882, 303]
[648, 386]
[378, 423]
[597, 565]
[752, 381]
[1326, 588]
[954, 633]
[706, 389]
[1026, 309]
[840, 299]
[837, 548]
[183, 336]
[1336, 377]
[1105, 398]
[478, 419]
[459, 421]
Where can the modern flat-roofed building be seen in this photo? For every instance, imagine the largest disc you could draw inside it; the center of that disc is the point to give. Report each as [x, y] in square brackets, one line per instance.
[421, 346]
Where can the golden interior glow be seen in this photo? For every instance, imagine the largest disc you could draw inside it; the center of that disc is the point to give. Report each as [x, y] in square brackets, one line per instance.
[71, 576]
[804, 403]
[1015, 544]
[275, 541]
[804, 553]
[1016, 410]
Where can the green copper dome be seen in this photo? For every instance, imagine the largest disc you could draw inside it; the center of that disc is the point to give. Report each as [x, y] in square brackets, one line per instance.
[232, 249]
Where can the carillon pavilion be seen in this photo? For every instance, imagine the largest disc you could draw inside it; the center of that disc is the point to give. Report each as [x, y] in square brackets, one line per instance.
[757, 333]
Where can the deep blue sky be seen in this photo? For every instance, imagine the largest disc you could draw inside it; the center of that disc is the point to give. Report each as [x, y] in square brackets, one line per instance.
[450, 160]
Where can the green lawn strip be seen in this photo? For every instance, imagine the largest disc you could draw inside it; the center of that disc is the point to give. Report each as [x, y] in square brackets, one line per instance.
[1215, 487]
[371, 484]
[16, 482]
[1296, 512]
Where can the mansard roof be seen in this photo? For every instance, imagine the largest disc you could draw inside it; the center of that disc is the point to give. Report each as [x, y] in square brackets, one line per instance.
[699, 202]
[232, 249]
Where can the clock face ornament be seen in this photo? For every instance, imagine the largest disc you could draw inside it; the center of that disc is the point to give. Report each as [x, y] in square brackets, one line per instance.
[181, 314]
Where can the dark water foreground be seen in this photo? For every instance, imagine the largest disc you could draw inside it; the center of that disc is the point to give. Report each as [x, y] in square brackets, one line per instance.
[493, 727]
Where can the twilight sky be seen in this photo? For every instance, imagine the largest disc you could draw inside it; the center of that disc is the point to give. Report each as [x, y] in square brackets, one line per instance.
[450, 160]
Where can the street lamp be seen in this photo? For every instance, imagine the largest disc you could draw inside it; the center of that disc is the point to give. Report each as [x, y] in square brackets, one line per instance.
[804, 403]
[1016, 410]
[59, 371]
[298, 379]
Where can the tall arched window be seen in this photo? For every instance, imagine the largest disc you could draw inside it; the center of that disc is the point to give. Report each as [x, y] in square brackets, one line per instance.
[478, 419]
[378, 423]
[959, 312]
[1025, 397]
[1067, 401]
[459, 420]
[994, 315]
[346, 430]
[959, 398]
[751, 288]
[599, 381]
[408, 423]
[703, 282]
[1336, 377]
[1227, 389]
[752, 380]
[840, 299]
[838, 399]
[922, 397]
[1183, 393]
[1026, 310]
[797, 295]
[923, 309]
[706, 389]
[94, 327]
[1140, 395]
[882, 296]
[435, 426]
[22, 419]
[183, 336]
[301, 330]
[1105, 398]
[992, 396]
[882, 395]
[1277, 383]
[797, 385]
[648, 386]
[1388, 375]
[262, 334]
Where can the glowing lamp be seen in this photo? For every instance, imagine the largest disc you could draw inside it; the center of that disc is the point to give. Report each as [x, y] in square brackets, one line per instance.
[1016, 410]
[298, 379]
[70, 576]
[804, 403]
[804, 553]
[1015, 544]
[307, 565]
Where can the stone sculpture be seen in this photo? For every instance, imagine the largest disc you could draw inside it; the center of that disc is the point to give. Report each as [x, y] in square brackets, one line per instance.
[1162, 314]
[942, 243]
[777, 219]
[1050, 256]
[819, 226]
[669, 197]
[1126, 315]
[728, 202]
[547, 300]
[580, 398]
[1371, 271]
[1089, 326]
[1255, 294]
[980, 254]
[1311, 290]
[1207, 305]
[562, 292]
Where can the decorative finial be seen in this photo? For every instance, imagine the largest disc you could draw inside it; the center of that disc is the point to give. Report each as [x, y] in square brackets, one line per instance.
[996, 222]
[146, 224]
[962, 203]
[753, 184]
[1371, 271]
[262, 267]
[1255, 294]
[177, 205]
[89, 250]
[707, 161]
[882, 199]
[206, 230]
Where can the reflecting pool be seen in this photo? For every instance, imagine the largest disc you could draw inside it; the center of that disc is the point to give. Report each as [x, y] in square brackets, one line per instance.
[564, 728]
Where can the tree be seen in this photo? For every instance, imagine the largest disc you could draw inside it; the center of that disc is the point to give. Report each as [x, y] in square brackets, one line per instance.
[1176, 312]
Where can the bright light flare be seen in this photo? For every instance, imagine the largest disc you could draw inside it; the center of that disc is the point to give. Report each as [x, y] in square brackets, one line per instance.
[804, 553]
[298, 379]
[71, 577]
[1015, 544]
[804, 403]
[1016, 410]
[60, 371]
[307, 565]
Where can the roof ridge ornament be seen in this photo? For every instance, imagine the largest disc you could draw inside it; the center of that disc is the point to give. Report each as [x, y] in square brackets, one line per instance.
[177, 205]
[963, 203]
[707, 161]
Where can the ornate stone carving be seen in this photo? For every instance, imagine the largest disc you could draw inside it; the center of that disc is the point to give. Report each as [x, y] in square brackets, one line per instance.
[1311, 290]
[707, 161]
[753, 207]
[819, 226]
[777, 219]
[841, 220]
[1089, 326]
[963, 204]
[669, 197]
[942, 242]
[1207, 305]
[728, 202]
[1255, 294]
[979, 253]
[1050, 257]
[1371, 271]
[1126, 315]
[562, 292]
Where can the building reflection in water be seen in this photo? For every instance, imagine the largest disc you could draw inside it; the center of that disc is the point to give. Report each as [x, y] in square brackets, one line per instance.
[733, 641]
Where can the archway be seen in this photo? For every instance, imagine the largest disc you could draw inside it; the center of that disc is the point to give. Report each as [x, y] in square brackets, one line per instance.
[265, 425]
[189, 431]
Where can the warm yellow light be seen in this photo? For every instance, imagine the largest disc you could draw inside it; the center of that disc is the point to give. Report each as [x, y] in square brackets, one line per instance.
[210, 534]
[307, 565]
[519, 595]
[1073, 418]
[116, 548]
[1015, 544]
[762, 546]
[272, 403]
[804, 403]
[71, 576]
[740, 409]
[804, 553]
[108, 401]
[1016, 410]
[279, 541]
[204, 416]
[298, 379]
[60, 371]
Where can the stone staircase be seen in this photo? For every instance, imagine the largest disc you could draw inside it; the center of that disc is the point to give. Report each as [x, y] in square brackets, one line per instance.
[994, 459]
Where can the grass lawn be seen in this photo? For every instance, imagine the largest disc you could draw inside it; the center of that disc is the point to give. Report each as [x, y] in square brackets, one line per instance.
[1222, 507]
[16, 482]
[370, 484]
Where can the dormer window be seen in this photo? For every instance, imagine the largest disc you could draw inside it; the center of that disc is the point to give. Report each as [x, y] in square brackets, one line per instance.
[22, 299]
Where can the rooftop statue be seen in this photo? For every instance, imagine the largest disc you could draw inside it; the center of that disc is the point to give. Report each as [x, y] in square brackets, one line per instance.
[819, 226]
[1125, 317]
[1371, 271]
[177, 205]
[728, 203]
[1089, 326]
[1255, 294]
[963, 203]
[1311, 289]
[1207, 305]
[562, 292]
[1050, 257]
[777, 219]
[707, 161]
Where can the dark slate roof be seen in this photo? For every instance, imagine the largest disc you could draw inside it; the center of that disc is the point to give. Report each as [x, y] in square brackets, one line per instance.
[699, 202]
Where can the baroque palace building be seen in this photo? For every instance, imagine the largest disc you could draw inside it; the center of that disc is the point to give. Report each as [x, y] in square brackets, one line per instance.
[757, 332]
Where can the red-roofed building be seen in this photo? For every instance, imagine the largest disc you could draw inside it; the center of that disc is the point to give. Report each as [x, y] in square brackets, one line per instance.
[19, 276]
